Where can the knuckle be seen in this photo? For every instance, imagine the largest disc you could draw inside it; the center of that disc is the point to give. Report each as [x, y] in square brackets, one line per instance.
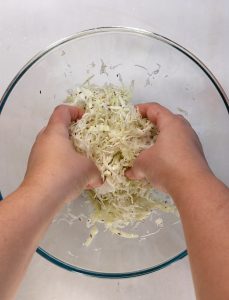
[180, 116]
[180, 119]
[41, 131]
[59, 107]
[150, 104]
[155, 105]
[40, 135]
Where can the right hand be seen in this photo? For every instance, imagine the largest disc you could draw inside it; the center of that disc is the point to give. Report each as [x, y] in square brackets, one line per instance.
[54, 165]
[177, 156]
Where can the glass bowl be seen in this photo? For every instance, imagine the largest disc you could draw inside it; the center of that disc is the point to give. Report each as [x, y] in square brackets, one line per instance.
[160, 70]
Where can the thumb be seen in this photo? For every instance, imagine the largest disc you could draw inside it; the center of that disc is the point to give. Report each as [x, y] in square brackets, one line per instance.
[140, 166]
[95, 182]
[64, 115]
[61, 118]
[95, 179]
[134, 173]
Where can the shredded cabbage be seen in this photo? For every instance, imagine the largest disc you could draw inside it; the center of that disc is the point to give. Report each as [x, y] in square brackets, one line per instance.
[112, 133]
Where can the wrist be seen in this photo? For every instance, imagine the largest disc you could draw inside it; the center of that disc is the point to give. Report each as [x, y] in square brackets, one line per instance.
[38, 189]
[52, 190]
[179, 187]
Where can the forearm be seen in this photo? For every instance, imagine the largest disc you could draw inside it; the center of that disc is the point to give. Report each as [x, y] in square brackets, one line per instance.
[24, 217]
[203, 204]
[56, 173]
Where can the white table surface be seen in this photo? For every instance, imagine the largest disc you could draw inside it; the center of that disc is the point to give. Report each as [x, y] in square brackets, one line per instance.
[27, 26]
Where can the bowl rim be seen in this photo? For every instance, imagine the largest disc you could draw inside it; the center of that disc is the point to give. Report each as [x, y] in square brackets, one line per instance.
[84, 33]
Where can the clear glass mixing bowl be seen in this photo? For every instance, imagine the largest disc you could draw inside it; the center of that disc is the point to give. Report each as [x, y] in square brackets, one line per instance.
[161, 71]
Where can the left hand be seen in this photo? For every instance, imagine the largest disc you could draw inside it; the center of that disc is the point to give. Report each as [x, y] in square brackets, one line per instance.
[54, 165]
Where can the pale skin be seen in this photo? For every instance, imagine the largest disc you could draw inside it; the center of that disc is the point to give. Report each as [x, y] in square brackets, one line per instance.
[175, 164]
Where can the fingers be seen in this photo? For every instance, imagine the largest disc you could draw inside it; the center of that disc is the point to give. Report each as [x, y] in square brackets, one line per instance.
[156, 113]
[64, 115]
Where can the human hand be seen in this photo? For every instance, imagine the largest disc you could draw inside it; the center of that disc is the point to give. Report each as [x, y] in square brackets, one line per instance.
[54, 165]
[177, 156]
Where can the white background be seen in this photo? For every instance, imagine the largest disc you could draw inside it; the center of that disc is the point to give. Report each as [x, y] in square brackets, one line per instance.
[27, 26]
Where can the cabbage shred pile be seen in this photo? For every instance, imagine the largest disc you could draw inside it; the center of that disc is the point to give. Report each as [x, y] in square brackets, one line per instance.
[112, 133]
